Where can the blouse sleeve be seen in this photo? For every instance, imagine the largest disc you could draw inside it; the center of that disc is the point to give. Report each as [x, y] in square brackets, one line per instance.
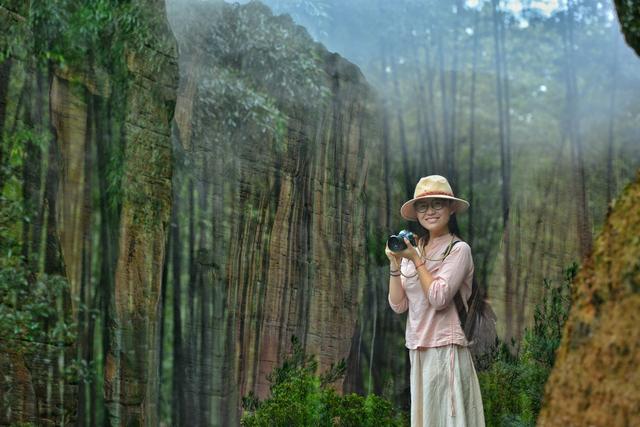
[449, 277]
[399, 308]
[403, 305]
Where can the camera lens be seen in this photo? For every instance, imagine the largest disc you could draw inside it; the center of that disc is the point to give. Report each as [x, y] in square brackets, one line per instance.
[396, 243]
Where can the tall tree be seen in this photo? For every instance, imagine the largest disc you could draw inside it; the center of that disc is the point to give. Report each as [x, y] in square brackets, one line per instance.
[502, 92]
[613, 79]
[424, 130]
[572, 129]
[5, 74]
[407, 167]
[178, 370]
[472, 121]
[386, 146]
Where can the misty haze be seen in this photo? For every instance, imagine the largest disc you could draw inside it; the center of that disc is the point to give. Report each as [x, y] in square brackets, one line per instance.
[197, 198]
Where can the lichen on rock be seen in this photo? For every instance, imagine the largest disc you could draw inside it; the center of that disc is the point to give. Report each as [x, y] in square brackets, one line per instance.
[596, 380]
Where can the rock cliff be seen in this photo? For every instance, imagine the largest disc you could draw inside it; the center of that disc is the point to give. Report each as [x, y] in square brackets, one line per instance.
[103, 110]
[595, 380]
[276, 140]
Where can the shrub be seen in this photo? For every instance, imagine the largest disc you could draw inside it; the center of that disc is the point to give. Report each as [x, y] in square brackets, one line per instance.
[513, 386]
[299, 397]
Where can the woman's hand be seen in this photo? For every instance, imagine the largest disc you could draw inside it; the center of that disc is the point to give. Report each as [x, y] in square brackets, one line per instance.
[411, 253]
[394, 258]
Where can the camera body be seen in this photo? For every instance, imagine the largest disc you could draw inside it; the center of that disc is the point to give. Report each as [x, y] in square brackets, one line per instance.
[396, 242]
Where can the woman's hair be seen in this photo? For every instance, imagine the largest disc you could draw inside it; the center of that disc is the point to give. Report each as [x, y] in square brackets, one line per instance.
[423, 233]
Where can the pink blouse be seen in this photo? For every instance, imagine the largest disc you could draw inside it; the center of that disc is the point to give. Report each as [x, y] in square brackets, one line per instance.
[433, 319]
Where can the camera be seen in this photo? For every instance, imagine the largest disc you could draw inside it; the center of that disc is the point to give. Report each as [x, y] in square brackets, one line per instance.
[396, 242]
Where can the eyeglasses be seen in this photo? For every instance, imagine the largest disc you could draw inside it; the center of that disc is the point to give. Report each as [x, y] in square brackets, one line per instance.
[422, 206]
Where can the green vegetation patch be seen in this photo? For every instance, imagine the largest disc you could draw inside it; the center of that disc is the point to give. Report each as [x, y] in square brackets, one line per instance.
[513, 386]
[299, 397]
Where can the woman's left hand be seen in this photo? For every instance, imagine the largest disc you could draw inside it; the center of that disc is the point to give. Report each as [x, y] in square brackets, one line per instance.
[410, 252]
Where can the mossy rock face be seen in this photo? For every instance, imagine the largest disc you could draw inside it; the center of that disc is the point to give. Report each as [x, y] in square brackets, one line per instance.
[629, 16]
[596, 380]
[276, 140]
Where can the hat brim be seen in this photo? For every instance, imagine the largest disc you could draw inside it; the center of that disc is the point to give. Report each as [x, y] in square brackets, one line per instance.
[409, 213]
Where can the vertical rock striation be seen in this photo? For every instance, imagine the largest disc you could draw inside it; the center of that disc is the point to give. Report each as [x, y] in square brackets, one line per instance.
[277, 138]
[34, 387]
[132, 365]
[98, 119]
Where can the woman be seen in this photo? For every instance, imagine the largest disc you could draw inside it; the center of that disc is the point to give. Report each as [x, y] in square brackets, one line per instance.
[424, 280]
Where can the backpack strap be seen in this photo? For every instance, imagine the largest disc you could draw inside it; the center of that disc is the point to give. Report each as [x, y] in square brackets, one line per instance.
[457, 298]
[449, 249]
[462, 310]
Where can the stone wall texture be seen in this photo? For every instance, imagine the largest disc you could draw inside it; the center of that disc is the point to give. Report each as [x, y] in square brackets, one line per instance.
[595, 380]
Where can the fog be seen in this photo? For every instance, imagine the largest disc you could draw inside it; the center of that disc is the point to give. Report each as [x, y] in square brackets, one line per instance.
[552, 83]
[195, 209]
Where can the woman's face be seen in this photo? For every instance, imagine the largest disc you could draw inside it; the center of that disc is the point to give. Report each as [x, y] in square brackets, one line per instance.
[433, 214]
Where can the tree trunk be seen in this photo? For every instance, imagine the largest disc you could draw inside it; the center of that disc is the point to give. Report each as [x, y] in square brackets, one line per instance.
[572, 115]
[109, 211]
[502, 91]
[613, 78]
[386, 147]
[132, 363]
[85, 323]
[5, 75]
[446, 109]
[452, 173]
[431, 109]
[472, 123]
[407, 167]
[178, 372]
[427, 153]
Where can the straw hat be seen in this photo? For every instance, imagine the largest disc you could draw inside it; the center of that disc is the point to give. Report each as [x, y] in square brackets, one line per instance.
[432, 186]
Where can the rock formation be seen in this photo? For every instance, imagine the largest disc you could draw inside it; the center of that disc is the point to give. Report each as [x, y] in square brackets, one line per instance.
[132, 364]
[595, 380]
[96, 117]
[275, 138]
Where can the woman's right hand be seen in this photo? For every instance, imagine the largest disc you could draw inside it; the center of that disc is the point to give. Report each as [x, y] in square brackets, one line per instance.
[394, 259]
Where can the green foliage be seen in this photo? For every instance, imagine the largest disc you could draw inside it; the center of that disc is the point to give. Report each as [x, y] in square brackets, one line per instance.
[27, 309]
[629, 14]
[35, 320]
[234, 105]
[260, 47]
[260, 71]
[299, 397]
[513, 387]
[69, 32]
[32, 305]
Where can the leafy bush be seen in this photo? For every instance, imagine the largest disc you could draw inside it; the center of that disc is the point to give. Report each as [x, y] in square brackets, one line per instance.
[36, 329]
[30, 310]
[299, 397]
[513, 387]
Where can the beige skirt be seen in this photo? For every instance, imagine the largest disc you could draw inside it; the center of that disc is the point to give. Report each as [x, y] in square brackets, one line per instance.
[444, 388]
